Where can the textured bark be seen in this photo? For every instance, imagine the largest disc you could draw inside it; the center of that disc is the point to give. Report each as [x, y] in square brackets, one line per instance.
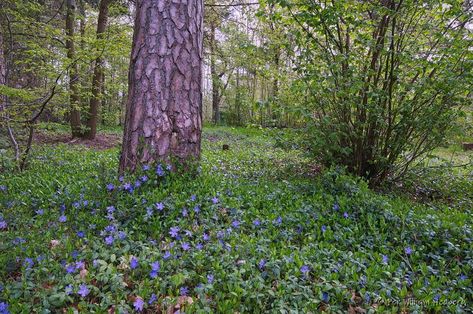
[98, 78]
[164, 109]
[73, 70]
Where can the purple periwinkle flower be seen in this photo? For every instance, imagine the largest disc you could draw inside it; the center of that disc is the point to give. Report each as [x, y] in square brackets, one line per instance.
[324, 228]
[206, 237]
[159, 206]
[145, 167]
[215, 200]
[68, 289]
[4, 308]
[167, 255]
[144, 179]
[110, 187]
[134, 263]
[80, 234]
[262, 264]
[385, 259]
[408, 250]
[29, 262]
[62, 218]
[109, 240]
[345, 215]
[185, 246]
[152, 299]
[336, 206]
[325, 297]
[305, 269]
[70, 268]
[39, 211]
[83, 290]
[138, 304]
[193, 197]
[184, 291]
[3, 224]
[235, 224]
[256, 222]
[210, 278]
[160, 170]
[174, 232]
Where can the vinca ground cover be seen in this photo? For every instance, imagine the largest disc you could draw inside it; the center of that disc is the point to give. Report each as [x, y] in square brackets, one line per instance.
[254, 229]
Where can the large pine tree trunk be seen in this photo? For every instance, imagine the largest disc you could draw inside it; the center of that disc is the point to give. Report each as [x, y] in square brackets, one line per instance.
[98, 78]
[73, 70]
[164, 108]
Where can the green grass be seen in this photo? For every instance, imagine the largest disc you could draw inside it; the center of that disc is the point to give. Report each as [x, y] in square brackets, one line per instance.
[280, 240]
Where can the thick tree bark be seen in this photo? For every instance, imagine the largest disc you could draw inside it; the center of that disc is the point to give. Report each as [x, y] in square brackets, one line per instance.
[73, 70]
[164, 109]
[98, 78]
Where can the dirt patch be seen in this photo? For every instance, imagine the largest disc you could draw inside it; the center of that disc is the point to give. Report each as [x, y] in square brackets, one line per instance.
[101, 141]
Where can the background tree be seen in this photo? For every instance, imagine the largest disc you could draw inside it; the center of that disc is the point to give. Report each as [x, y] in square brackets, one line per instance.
[163, 114]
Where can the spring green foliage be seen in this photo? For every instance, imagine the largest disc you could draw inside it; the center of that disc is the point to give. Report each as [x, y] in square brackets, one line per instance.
[381, 82]
[279, 240]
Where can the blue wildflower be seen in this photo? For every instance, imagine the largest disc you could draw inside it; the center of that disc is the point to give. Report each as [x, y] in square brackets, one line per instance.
[210, 278]
[196, 209]
[83, 290]
[39, 211]
[167, 255]
[159, 206]
[184, 291]
[215, 200]
[155, 267]
[134, 263]
[278, 221]
[80, 234]
[152, 299]
[109, 240]
[185, 246]
[62, 218]
[345, 215]
[408, 250]
[144, 179]
[193, 197]
[174, 232]
[68, 290]
[262, 264]
[235, 224]
[70, 268]
[336, 206]
[145, 167]
[110, 187]
[385, 259]
[199, 246]
[138, 304]
[305, 269]
[206, 237]
[159, 170]
[121, 235]
[3, 224]
[325, 297]
[29, 263]
[4, 308]
[324, 228]
[256, 222]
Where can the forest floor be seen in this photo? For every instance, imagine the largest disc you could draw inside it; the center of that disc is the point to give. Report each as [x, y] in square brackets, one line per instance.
[259, 228]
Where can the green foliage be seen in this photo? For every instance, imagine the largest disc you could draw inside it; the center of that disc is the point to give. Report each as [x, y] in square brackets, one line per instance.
[304, 255]
[383, 81]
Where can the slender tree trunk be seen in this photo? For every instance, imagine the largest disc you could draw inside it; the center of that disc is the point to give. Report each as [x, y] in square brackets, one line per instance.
[73, 70]
[215, 78]
[98, 78]
[164, 110]
[3, 73]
